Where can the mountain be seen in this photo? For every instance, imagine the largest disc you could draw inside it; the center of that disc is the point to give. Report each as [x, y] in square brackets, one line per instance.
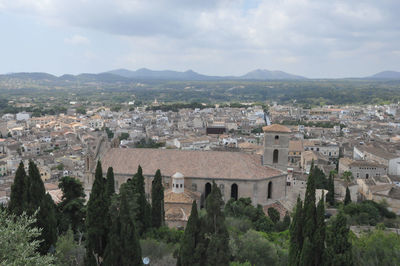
[263, 74]
[144, 73]
[30, 76]
[386, 75]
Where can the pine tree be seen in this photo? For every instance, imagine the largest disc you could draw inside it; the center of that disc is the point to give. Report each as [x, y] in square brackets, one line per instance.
[309, 210]
[191, 239]
[143, 212]
[110, 186]
[338, 251]
[157, 201]
[319, 236]
[296, 234]
[347, 198]
[96, 219]
[218, 252]
[18, 200]
[330, 196]
[130, 246]
[47, 220]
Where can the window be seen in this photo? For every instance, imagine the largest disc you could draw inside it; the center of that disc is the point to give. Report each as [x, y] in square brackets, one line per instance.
[275, 156]
[276, 140]
[207, 190]
[234, 191]
[269, 192]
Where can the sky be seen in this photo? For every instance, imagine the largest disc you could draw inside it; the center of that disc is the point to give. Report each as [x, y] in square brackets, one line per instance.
[313, 38]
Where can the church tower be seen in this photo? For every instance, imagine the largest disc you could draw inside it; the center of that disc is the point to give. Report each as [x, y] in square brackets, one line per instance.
[276, 146]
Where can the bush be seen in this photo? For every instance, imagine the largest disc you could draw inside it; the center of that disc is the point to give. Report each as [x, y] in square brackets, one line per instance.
[367, 213]
[165, 234]
[159, 252]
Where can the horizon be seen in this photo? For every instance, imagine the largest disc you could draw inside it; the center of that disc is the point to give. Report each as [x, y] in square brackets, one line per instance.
[334, 39]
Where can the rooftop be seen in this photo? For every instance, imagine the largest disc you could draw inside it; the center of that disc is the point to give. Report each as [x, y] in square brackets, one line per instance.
[276, 128]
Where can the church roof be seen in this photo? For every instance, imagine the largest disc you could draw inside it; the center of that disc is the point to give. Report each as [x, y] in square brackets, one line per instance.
[276, 128]
[201, 164]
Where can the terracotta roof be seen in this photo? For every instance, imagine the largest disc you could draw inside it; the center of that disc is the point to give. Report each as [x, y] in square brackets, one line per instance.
[276, 128]
[186, 197]
[296, 145]
[202, 164]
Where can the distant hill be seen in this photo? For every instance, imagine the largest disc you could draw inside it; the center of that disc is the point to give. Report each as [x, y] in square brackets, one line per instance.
[386, 75]
[263, 74]
[31, 75]
[145, 73]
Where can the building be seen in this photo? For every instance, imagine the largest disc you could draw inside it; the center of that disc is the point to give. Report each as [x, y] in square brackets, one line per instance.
[370, 153]
[276, 146]
[361, 168]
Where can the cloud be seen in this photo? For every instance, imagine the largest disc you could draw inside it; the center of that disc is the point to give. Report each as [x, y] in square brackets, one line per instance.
[77, 40]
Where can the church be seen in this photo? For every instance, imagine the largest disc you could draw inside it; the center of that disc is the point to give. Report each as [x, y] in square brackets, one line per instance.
[237, 174]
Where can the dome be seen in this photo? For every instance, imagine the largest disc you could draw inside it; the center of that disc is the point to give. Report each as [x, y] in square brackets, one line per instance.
[177, 175]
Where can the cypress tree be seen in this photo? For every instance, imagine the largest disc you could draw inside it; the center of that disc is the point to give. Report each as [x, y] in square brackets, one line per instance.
[18, 200]
[338, 246]
[296, 234]
[319, 237]
[130, 246]
[307, 254]
[143, 212]
[113, 253]
[309, 210]
[47, 220]
[36, 190]
[217, 252]
[157, 201]
[330, 196]
[96, 219]
[347, 198]
[110, 186]
[190, 239]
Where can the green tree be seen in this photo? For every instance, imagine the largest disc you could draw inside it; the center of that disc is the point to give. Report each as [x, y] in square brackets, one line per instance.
[47, 220]
[19, 241]
[319, 236]
[68, 251]
[274, 215]
[296, 234]
[110, 186]
[347, 197]
[143, 211]
[309, 210]
[130, 246]
[18, 200]
[113, 253]
[307, 254]
[338, 251]
[330, 196]
[96, 220]
[191, 240]
[71, 208]
[157, 201]
[218, 252]
[35, 188]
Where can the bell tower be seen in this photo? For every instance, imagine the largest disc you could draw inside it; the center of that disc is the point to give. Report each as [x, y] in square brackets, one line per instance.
[276, 146]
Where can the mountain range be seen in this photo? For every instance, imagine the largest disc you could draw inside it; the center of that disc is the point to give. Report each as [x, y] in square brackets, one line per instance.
[125, 75]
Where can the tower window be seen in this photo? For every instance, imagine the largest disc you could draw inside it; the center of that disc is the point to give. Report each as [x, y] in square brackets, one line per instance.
[276, 140]
[275, 156]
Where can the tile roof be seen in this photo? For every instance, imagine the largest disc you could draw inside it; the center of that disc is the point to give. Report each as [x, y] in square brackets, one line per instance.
[202, 164]
[276, 128]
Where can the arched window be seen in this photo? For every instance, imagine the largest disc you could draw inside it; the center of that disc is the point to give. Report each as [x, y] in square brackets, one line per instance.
[207, 190]
[269, 193]
[275, 156]
[276, 140]
[234, 191]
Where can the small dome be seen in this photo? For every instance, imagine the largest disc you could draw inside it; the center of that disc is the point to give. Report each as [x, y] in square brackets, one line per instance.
[178, 175]
[276, 128]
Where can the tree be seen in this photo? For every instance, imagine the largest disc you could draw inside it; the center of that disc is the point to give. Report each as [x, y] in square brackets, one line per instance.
[68, 252]
[338, 250]
[143, 211]
[71, 208]
[274, 215]
[48, 221]
[157, 201]
[347, 197]
[307, 254]
[296, 234]
[130, 246]
[110, 187]
[218, 252]
[309, 210]
[191, 239]
[18, 200]
[348, 176]
[19, 241]
[319, 236]
[35, 188]
[96, 219]
[330, 196]
[113, 253]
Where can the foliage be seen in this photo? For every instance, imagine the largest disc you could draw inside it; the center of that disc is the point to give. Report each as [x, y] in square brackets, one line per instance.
[347, 197]
[142, 212]
[68, 252]
[148, 143]
[296, 234]
[124, 136]
[330, 196]
[19, 241]
[274, 215]
[18, 197]
[367, 213]
[377, 248]
[110, 134]
[157, 201]
[159, 252]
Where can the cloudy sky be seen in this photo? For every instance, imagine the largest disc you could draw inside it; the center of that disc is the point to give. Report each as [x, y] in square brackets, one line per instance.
[315, 38]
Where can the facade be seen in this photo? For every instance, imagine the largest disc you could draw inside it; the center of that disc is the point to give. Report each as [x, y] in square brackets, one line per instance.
[361, 169]
[369, 153]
